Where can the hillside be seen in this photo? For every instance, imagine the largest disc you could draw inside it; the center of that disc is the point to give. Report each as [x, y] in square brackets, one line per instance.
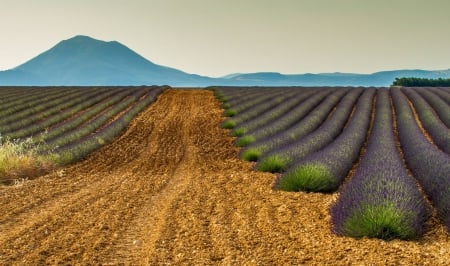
[82, 60]
[85, 61]
[379, 79]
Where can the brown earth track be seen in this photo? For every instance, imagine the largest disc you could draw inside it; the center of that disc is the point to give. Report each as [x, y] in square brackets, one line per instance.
[172, 191]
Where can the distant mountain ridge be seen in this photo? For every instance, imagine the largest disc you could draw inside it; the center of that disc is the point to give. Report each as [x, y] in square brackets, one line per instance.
[84, 61]
[378, 79]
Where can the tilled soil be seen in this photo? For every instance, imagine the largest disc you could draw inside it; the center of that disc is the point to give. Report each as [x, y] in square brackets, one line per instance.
[171, 191]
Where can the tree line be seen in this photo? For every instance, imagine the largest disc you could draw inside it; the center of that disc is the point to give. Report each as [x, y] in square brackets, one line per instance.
[421, 82]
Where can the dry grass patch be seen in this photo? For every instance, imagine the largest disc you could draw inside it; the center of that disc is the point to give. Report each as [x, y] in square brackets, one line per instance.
[20, 160]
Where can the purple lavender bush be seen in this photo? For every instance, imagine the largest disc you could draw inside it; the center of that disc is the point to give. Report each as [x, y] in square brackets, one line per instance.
[436, 100]
[381, 200]
[438, 131]
[266, 107]
[270, 116]
[427, 163]
[249, 102]
[442, 93]
[325, 170]
[279, 159]
[314, 112]
[289, 118]
[78, 150]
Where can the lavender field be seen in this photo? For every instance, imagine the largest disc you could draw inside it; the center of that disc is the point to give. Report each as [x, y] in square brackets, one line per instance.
[386, 151]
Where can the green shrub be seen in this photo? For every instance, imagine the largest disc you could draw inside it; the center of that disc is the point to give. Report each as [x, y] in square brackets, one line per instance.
[230, 112]
[226, 105]
[238, 132]
[385, 222]
[273, 164]
[308, 177]
[244, 141]
[251, 155]
[220, 96]
[228, 124]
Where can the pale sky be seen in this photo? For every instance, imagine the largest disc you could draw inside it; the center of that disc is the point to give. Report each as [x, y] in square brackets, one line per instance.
[219, 37]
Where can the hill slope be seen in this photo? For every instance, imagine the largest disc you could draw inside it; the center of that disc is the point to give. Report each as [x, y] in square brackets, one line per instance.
[384, 78]
[82, 60]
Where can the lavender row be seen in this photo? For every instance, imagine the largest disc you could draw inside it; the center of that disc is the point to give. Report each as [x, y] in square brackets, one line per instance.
[381, 200]
[239, 95]
[288, 103]
[21, 95]
[325, 170]
[26, 97]
[241, 104]
[291, 117]
[43, 101]
[236, 96]
[7, 92]
[78, 150]
[311, 114]
[41, 129]
[428, 164]
[437, 103]
[282, 157]
[270, 116]
[93, 125]
[233, 95]
[30, 121]
[71, 124]
[430, 121]
[261, 108]
[442, 93]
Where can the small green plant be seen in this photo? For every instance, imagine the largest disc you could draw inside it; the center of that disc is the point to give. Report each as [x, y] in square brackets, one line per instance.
[230, 112]
[220, 96]
[384, 222]
[101, 141]
[228, 124]
[238, 132]
[308, 177]
[226, 106]
[273, 164]
[245, 140]
[64, 158]
[251, 155]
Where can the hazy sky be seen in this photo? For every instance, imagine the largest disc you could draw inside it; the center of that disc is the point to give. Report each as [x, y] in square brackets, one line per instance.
[218, 37]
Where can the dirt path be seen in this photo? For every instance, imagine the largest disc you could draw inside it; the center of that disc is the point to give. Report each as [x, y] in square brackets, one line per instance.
[171, 191]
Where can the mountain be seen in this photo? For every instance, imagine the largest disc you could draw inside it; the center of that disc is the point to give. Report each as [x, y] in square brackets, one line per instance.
[82, 60]
[378, 79]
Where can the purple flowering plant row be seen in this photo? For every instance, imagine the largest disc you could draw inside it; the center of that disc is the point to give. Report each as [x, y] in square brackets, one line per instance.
[281, 157]
[39, 122]
[71, 122]
[308, 117]
[381, 199]
[273, 115]
[429, 165]
[395, 166]
[326, 169]
[436, 100]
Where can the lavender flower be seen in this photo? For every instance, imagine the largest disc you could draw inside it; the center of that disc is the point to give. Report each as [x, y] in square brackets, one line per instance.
[427, 163]
[324, 170]
[381, 200]
[281, 157]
